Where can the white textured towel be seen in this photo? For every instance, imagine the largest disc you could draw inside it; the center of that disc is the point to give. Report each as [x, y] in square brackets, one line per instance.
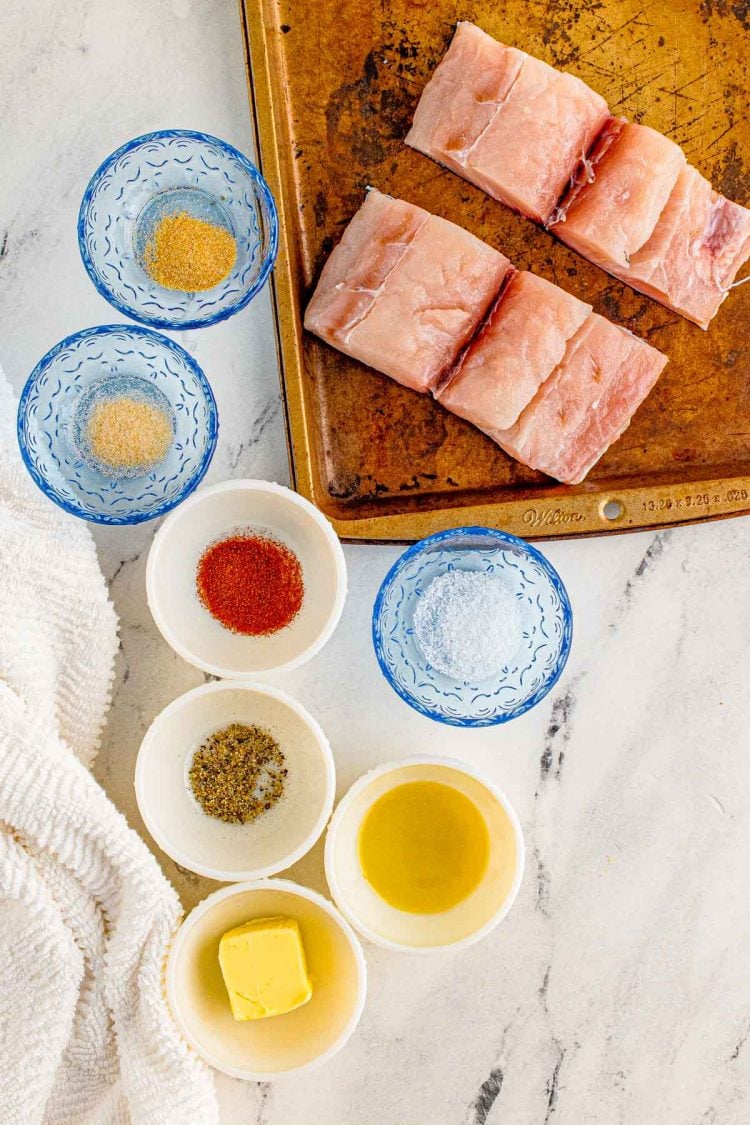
[86, 916]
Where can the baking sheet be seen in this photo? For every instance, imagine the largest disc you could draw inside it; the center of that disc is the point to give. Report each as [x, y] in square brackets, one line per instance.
[334, 85]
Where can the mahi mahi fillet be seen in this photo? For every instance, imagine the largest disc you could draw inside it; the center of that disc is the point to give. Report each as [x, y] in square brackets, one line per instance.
[694, 252]
[614, 215]
[506, 121]
[519, 346]
[404, 291]
[586, 403]
[427, 303]
[621, 194]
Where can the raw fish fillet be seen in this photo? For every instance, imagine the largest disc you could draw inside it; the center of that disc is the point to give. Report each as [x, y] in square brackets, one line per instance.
[506, 121]
[520, 344]
[610, 218]
[465, 92]
[585, 171]
[426, 302]
[404, 291]
[699, 243]
[586, 403]
[620, 194]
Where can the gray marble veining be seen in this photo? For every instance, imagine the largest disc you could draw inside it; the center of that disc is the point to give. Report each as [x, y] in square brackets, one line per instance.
[617, 991]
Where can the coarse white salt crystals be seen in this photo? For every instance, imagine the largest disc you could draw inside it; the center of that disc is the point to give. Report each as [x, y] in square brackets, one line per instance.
[468, 625]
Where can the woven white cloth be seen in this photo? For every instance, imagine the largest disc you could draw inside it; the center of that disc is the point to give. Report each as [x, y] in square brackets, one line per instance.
[86, 915]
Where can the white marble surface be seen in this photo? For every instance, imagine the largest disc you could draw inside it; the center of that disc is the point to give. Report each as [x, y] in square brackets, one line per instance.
[617, 992]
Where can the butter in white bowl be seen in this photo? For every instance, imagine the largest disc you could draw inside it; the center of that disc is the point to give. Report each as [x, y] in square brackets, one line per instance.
[264, 968]
[291, 1042]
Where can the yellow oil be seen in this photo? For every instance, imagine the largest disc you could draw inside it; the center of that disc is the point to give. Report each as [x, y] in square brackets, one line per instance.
[423, 847]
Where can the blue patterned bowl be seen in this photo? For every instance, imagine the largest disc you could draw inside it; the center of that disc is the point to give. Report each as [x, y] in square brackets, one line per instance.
[106, 362]
[545, 613]
[161, 174]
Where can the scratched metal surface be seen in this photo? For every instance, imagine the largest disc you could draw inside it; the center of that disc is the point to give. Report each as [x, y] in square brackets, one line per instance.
[351, 72]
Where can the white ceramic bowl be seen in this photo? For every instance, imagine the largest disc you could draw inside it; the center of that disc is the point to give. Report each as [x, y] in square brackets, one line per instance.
[230, 852]
[464, 923]
[215, 513]
[300, 1041]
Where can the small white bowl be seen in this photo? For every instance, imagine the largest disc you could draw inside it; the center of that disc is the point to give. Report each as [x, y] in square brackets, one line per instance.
[267, 1049]
[210, 847]
[453, 929]
[215, 513]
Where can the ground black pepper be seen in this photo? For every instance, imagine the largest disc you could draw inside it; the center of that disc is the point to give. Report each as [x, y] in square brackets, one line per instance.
[238, 773]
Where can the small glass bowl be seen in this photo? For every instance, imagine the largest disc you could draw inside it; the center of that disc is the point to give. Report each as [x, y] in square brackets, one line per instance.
[101, 363]
[546, 617]
[162, 174]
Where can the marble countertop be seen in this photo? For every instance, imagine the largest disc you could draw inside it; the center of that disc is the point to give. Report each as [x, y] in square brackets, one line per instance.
[617, 991]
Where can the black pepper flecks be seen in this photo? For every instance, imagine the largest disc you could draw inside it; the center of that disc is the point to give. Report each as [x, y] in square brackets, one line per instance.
[238, 774]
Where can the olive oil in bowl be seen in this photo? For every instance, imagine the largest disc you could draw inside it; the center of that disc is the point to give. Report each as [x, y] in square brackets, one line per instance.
[424, 855]
[424, 847]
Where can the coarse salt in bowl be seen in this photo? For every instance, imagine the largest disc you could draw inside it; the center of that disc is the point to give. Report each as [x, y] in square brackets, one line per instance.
[526, 676]
[468, 624]
[245, 507]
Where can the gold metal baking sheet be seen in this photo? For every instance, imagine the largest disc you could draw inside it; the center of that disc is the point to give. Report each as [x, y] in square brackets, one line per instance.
[333, 85]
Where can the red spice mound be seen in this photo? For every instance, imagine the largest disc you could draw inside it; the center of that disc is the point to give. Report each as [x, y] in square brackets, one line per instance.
[251, 584]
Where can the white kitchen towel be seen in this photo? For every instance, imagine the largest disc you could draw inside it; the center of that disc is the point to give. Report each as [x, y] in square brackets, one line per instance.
[86, 916]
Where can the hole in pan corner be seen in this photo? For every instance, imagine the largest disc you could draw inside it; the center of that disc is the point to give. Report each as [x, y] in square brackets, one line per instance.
[612, 510]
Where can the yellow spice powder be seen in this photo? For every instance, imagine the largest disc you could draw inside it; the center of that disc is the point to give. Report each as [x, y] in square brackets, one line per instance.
[189, 254]
[126, 433]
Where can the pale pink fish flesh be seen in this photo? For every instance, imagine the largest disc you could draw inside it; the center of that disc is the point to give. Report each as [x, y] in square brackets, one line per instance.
[423, 301]
[545, 144]
[586, 403]
[463, 96]
[519, 346]
[609, 219]
[404, 291]
[699, 243]
[585, 171]
[506, 121]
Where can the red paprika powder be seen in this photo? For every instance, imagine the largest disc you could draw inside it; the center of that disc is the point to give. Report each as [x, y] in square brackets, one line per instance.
[252, 584]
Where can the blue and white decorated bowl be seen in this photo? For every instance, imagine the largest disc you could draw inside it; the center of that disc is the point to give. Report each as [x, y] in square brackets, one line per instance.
[106, 362]
[162, 174]
[546, 617]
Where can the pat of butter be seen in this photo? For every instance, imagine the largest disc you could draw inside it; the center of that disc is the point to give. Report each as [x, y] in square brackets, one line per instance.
[264, 969]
